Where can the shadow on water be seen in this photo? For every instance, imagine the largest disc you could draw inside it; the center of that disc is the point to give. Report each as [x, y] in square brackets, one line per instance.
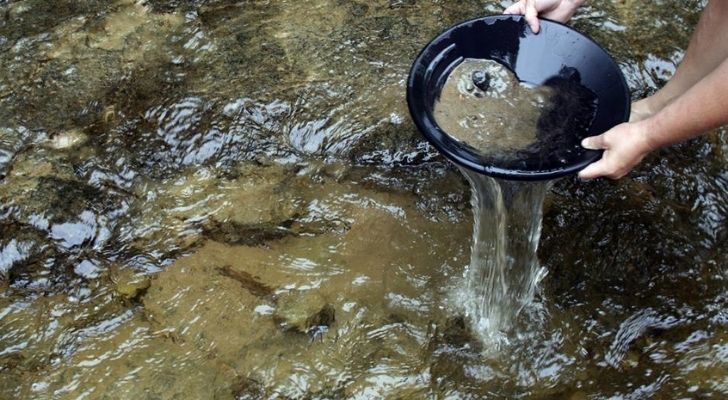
[225, 199]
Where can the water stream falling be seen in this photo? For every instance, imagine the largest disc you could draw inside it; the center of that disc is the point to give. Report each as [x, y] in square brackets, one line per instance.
[504, 270]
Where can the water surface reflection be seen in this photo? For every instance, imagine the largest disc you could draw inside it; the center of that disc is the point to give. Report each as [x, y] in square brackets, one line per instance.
[226, 199]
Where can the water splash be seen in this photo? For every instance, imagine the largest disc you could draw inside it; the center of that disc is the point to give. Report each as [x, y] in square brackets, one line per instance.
[504, 270]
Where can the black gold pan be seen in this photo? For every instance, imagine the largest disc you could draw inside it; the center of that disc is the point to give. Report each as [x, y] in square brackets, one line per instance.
[557, 53]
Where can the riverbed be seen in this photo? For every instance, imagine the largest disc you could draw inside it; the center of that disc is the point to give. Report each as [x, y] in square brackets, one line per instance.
[227, 199]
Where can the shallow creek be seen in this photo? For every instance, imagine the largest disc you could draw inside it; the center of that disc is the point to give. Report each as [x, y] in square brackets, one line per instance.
[225, 199]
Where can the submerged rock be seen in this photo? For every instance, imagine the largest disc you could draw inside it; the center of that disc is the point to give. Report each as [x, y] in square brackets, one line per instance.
[130, 284]
[305, 311]
[195, 303]
[458, 333]
[253, 206]
[67, 139]
[247, 389]
[257, 207]
[247, 281]
[171, 96]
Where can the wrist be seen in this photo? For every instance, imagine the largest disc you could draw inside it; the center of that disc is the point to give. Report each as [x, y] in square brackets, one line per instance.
[659, 100]
[646, 132]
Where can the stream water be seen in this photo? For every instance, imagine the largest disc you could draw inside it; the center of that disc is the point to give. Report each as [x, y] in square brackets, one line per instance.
[226, 199]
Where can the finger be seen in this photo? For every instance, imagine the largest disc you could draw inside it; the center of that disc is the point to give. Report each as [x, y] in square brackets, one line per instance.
[515, 9]
[594, 170]
[532, 16]
[594, 143]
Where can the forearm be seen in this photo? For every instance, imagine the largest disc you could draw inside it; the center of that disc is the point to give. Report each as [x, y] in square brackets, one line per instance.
[565, 10]
[701, 108]
[707, 49]
[692, 103]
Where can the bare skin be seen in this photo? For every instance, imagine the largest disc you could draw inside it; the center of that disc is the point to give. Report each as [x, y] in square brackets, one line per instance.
[690, 103]
[699, 109]
[557, 10]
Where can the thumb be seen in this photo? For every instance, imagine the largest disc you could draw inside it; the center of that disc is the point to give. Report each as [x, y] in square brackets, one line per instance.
[532, 16]
[515, 9]
[594, 143]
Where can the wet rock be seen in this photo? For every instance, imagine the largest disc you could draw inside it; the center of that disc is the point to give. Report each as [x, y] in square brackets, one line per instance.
[548, 394]
[247, 389]
[62, 318]
[244, 235]
[170, 375]
[117, 26]
[129, 284]
[250, 206]
[198, 323]
[247, 281]
[11, 142]
[67, 139]
[28, 18]
[304, 311]
[631, 359]
[23, 252]
[322, 319]
[44, 192]
[395, 144]
[194, 303]
[578, 395]
[259, 208]
[401, 3]
[481, 80]
[75, 58]
[457, 332]
[357, 9]
[28, 169]
[333, 90]
[704, 366]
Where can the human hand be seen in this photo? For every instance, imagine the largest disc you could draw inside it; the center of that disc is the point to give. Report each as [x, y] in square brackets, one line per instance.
[624, 147]
[557, 10]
